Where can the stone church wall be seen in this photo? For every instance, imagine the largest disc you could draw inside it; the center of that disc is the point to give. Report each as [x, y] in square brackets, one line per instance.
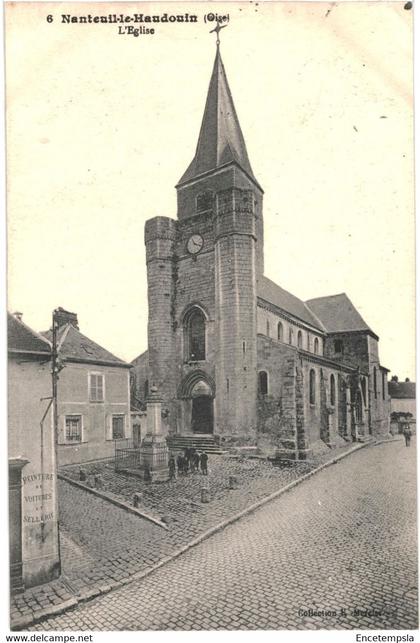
[380, 405]
[267, 324]
[321, 417]
[355, 349]
[276, 411]
[139, 375]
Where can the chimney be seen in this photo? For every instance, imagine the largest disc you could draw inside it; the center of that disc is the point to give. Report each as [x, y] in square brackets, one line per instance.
[64, 317]
[18, 315]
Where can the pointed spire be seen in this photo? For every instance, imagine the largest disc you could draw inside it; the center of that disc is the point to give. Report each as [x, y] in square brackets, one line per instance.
[221, 141]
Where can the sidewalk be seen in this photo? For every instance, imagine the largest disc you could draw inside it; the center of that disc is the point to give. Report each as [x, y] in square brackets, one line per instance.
[104, 547]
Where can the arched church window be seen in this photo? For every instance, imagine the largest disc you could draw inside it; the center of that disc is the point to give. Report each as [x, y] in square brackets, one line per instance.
[299, 339]
[146, 389]
[262, 383]
[204, 201]
[383, 385]
[375, 383]
[316, 346]
[364, 390]
[267, 326]
[280, 332]
[312, 384]
[332, 390]
[290, 335]
[195, 335]
[358, 409]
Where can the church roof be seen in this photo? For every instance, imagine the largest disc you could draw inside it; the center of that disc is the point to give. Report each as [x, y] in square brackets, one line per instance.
[274, 294]
[338, 314]
[22, 339]
[73, 345]
[221, 141]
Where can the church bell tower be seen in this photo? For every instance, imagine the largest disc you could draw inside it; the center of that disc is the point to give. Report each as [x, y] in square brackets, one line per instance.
[203, 271]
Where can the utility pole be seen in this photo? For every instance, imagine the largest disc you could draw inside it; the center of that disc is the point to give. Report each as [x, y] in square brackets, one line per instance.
[56, 367]
[54, 374]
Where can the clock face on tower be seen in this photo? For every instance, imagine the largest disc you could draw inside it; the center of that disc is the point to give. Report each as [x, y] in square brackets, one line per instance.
[195, 244]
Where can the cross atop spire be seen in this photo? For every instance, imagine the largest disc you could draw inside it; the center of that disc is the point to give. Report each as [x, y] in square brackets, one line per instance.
[217, 30]
[220, 141]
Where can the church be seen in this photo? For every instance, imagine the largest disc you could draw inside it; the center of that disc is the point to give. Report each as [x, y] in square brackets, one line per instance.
[235, 358]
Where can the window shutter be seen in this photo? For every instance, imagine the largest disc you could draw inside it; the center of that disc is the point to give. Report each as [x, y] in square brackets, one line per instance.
[85, 428]
[128, 427]
[90, 385]
[100, 388]
[108, 427]
[61, 429]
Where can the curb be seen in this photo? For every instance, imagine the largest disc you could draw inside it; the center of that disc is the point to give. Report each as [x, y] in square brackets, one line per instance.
[54, 610]
[100, 591]
[113, 500]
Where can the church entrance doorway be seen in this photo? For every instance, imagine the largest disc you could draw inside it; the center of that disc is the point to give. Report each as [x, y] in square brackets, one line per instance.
[202, 414]
[196, 412]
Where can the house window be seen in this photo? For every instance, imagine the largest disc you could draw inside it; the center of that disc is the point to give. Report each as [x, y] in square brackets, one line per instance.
[299, 339]
[262, 383]
[280, 332]
[316, 346]
[309, 342]
[73, 428]
[290, 335]
[332, 390]
[195, 335]
[312, 384]
[96, 385]
[267, 327]
[338, 346]
[117, 427]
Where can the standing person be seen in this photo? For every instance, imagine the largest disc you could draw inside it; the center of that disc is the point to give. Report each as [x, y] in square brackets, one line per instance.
[203, 463]
[172, 468]
[407, 434]
[191, 462]
[196, 460]
[187, 457]
[180, 463]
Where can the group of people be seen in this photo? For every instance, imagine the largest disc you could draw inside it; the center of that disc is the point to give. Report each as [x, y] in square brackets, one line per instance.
[190, 461]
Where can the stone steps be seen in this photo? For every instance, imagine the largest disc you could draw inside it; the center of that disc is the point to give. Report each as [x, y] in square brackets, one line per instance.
[205, 443]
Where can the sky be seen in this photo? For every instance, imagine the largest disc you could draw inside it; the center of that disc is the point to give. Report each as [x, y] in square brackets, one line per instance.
[101, 126]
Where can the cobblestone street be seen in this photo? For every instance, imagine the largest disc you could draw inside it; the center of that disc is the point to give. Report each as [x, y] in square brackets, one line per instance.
[341, 541]
[104, 545]
[118, 544]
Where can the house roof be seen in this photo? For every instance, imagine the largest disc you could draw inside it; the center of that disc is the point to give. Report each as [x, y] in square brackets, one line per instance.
[402, 390]
[220, 141]
[338, 314]
[75, 346]
[274, 294]
[22, 339]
